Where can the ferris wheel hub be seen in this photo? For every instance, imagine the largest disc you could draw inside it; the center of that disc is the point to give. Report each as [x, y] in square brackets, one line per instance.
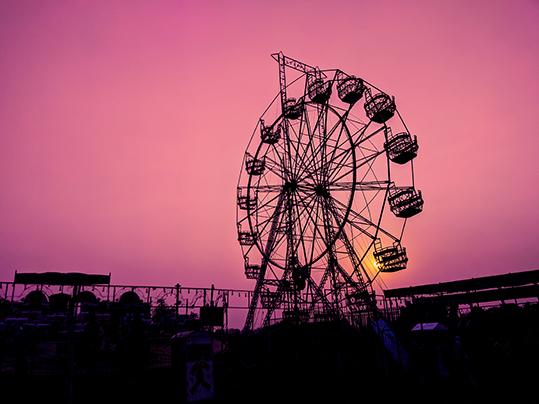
[321, 190]
[290, 186]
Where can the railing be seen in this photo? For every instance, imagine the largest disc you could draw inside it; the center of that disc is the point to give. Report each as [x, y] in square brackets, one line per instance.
[185, 299]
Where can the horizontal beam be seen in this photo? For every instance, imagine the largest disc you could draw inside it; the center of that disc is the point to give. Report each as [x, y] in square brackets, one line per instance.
[496, 295]
[61, 278]
[467, 285]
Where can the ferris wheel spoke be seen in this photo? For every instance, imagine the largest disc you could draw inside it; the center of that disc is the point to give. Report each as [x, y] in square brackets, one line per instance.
[362, 219]
[360, 186]
[272, 167]
[266, 186]
[388, 184]
[314, 226]
[305, 203]
[259, 207]
[269, 188]
[248, 249]
[312, 238]
[335, 166]
[278, 242]
[324, 138]
[264, 223]
[367, 172]
[355, 122]
[327, 163]
[362, 139]
[271, 249]
[368, 201]
[337, 144]
[335, 156]
[305, 165]
[304, 215]
[320, 296]
[309, 150]
[368, 160]
[295, 145]
[307, 146]
[309, 169]
[321, 125]
[323, 237]
[301, 231]
[304, 117]
[280, 163]
[289, 169]
[337, 159]
[276, 160]
[266, 203]
[357, 262]
[339, 210]
[351, 252]
[272, 218]
[310, 224]
[309, 165]
[312, 140]
[284, 234]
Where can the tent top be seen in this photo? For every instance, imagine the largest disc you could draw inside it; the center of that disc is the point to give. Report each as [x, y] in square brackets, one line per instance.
[61, 278]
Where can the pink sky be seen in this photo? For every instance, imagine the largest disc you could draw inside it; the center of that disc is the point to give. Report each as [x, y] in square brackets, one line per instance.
[123, 125]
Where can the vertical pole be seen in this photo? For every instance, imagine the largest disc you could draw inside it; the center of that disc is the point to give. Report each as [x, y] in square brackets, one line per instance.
[177, 300]
[282, 80]
[225, 304]
[70, 348]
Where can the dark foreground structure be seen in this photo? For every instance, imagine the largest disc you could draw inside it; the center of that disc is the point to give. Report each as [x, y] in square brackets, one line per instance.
[474, 340]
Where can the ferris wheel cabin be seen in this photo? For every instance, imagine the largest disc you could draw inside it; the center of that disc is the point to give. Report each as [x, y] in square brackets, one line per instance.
[252, 271]
[268, 134]
[390, 259]
[405, 202]
[319, 90]
[350, 88]
[401, 148]
[246, 202]
[254, 166]
[379, 107]
[246, 238]
[293, 108]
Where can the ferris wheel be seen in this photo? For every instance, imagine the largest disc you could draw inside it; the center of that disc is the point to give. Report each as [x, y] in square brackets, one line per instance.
[318, 174]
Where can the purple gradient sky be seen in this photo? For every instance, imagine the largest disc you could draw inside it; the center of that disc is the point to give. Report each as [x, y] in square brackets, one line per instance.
[123, 125]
